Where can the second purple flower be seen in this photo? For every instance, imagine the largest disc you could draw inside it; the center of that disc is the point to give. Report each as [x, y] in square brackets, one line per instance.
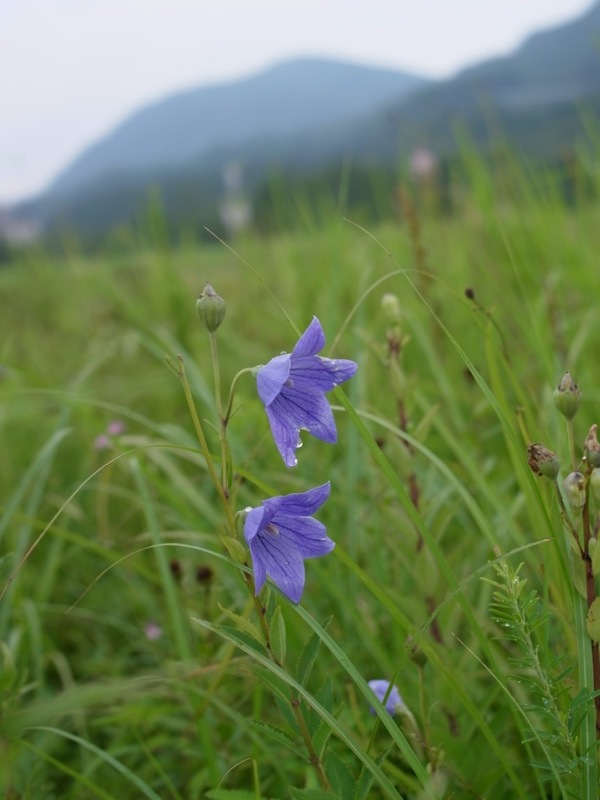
[292, 387]
[281, 533]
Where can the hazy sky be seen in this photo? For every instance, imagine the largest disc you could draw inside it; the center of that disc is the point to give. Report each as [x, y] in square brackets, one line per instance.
[70, 70]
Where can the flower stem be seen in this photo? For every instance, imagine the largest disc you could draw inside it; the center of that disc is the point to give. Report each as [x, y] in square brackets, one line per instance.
[181, 373]
[214, 356]
[262, 619]
[567, 521]
[590, 584]
[227, 414]
[295, 701]
[571, 438]
[313, 755]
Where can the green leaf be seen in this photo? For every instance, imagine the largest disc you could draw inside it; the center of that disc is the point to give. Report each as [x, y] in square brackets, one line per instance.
[325, 696]
[312, 794]
[278, 735]
[308, 656]
[341, 779]
[286, 712]
[240, 637]
[235, 549]
[321, 737]
[244, 624]
[102, 755]
[272, 682]
[365, 780]
[595, 553]
[278, 635]
[381, 778]
[8, 670]
[230, 794]
[593, 621]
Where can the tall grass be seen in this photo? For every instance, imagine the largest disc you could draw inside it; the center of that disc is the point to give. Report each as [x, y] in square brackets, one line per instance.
[129, 665]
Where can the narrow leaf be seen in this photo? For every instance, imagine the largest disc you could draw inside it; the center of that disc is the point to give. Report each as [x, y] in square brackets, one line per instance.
[278, 645]
[244, 624]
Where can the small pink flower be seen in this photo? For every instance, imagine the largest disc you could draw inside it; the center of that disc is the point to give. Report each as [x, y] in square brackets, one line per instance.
[152, 631]
[101, 442]
[115, 428]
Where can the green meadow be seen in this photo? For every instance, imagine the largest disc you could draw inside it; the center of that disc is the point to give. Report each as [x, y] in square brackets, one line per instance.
[134, 661]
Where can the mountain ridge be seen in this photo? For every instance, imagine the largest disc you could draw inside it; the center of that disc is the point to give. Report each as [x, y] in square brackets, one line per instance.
[185, 124]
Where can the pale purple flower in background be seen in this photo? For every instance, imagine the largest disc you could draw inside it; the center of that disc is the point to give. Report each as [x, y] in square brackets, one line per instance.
[152, 631]
[292, 387]
[115, 428]
[101, 442]
[394, 702]
[281, 533]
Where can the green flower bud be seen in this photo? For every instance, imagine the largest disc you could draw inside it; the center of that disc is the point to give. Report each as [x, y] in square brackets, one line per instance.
[210, 308]
[595, 486]
[390, 305]
[567, 396]
[543, 461]
[591, 447]
[574, 486]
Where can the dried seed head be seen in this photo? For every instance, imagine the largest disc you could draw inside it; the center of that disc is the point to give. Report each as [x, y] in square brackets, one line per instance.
[543, 461]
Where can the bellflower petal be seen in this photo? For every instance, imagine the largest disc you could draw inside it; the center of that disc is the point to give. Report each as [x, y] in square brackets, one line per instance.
[271, 378]
[292, 388]
[311, 341]
[281, 533]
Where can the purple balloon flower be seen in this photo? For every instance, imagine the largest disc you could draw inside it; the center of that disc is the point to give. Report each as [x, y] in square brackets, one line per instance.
[281, 534]
[292, 386]
[394, 701]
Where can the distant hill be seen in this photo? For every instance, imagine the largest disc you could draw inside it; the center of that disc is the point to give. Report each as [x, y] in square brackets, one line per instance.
[534, 96]
[288, 99]
[309, 114]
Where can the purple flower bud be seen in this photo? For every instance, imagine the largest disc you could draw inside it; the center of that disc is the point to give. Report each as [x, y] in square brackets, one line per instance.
[394, 702]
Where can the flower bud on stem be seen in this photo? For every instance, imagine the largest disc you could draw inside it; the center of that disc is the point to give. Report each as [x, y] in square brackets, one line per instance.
[543, 461]
[210, 308]
[591, 448]
[567, 396]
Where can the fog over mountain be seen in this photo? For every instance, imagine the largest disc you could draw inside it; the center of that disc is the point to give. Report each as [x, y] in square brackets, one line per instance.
[308, 113]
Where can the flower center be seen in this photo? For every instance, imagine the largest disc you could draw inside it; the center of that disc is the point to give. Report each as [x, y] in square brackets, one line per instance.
[271, 529]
